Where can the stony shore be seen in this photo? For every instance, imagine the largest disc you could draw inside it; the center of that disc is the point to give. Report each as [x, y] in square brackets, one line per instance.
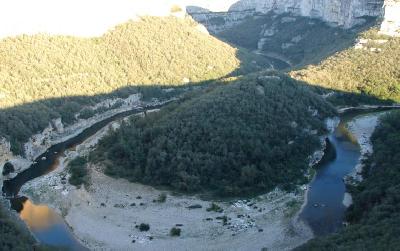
[105, 216]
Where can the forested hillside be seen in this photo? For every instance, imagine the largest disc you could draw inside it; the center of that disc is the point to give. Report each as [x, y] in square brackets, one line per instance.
[301, 40]
[44, 77]
[375, 215]
[245, 136]
[370, 70]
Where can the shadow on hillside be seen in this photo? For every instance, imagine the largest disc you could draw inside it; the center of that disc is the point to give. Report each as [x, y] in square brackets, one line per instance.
[22, 121]
[288, 41]
[25, 120]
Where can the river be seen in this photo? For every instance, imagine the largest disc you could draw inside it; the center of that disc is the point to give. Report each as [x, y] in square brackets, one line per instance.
[46, 225]
[324, 210]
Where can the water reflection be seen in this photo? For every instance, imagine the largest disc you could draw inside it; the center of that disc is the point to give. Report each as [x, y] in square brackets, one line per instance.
[47, 226]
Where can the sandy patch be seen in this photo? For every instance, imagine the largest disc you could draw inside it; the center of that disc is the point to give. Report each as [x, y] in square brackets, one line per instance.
[362, 128]
[105, 217]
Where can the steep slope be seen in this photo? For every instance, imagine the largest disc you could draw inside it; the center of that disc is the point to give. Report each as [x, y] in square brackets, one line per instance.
[154, 50]
[241, 137]
[342, 13]
[374, 217]
[370, 68]
[45, 77]
[298, 40]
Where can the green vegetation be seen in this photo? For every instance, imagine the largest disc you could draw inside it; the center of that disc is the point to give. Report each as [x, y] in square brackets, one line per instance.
[8, 168]
[13, 236]
[301, 40]
[143, 227]
[375, 215]
[214, 208]
[230, 139]
[78, 170]
[44, 77]
[370, 71]
[175, 231]
[162, 198]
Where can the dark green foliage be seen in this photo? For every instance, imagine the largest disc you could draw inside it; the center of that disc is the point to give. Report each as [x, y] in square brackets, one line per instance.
[162, 198]
[214, 208]
[231, 140]
[175, 231]
[86, 113]
[375, 215]
[8, 168]
[12, 235]
[144, 227]
[63, 74]
[79, 172]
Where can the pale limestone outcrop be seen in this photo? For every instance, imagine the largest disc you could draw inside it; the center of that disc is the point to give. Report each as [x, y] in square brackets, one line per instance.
[391, 18]
[55, 132]
[343, 13]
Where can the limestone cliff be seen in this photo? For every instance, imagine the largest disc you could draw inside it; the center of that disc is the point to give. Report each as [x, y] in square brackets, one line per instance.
[343, 13]
[391, 21]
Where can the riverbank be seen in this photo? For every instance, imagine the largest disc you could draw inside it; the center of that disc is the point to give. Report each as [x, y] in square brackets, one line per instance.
[362, 128]
[105, 215]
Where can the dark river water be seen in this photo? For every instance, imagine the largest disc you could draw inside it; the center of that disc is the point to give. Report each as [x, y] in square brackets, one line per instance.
[47, 226]
[324, 210]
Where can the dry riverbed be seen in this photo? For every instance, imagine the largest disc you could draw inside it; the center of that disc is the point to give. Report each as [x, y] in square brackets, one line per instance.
[105, 216]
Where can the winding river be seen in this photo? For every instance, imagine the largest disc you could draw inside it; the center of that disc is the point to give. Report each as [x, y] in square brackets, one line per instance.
[46, 225]
[324, 210]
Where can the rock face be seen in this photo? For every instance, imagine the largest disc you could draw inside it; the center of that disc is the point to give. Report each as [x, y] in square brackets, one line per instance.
[391, 22]
[343, 13]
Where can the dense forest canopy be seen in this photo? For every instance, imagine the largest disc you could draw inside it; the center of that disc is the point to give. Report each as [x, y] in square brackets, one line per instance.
[375, 215]
[242, 137]
[372, 70]
[43, 77]
[151, 51]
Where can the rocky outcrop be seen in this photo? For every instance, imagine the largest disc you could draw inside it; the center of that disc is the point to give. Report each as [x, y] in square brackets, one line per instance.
[56, 132]
[343, 13]
[391, 18]
[218, 21]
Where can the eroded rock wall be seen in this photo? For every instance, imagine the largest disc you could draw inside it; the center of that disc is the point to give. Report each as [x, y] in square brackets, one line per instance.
[343, 13]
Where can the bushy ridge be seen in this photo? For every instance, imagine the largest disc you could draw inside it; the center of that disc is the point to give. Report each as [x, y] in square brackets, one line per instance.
[375, 215]
[44, 77]
[237, 138]
[370, 71]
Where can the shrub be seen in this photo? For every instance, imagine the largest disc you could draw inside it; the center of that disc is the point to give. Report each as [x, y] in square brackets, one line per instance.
[144, 227]
[162, 198]
[175, 231]
[214, 207]
[79, 172]
[8, 168]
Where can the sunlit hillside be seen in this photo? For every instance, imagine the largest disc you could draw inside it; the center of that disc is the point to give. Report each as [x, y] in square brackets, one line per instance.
[371, 68]
[36, 71]
[153, 51]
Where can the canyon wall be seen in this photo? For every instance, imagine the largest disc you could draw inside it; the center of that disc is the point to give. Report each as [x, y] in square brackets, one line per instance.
[343, 13]
[391, 22]
[94, 17]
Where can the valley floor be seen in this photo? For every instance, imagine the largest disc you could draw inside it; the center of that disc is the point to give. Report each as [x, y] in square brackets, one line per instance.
[105, 217]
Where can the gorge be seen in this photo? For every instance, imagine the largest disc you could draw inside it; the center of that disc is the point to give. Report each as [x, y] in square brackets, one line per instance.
[193, 124]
